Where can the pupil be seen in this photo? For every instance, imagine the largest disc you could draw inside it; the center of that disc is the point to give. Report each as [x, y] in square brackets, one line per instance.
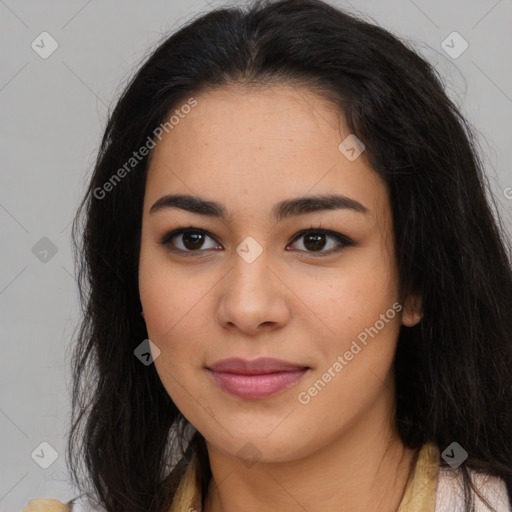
[318, 243]
[190, 243]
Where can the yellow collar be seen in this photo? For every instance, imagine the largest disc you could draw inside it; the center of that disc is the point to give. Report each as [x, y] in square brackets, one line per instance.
[420, 491]
[419, 495]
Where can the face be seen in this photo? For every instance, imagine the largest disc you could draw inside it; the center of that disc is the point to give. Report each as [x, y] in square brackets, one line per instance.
[255, 284]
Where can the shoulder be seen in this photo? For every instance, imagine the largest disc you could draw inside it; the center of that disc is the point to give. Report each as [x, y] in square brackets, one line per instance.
[46, 505]
[79, 503]
[450, 492]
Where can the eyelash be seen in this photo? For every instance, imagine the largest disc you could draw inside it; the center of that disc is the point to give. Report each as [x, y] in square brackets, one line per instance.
[342, 239]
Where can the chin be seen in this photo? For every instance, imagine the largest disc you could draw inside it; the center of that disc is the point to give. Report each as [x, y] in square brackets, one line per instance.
[262, 447]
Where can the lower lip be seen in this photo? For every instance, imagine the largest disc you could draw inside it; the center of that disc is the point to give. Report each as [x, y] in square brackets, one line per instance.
[256, 386]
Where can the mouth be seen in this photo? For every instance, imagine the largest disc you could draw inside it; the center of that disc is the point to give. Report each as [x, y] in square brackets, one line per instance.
[256, 379]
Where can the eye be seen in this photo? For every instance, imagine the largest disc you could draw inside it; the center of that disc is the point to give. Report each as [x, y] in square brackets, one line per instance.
[192, 241]
[315, 241]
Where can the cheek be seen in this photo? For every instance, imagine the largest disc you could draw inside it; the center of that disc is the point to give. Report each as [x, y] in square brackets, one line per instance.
[166, 294]
[172, 313]
[176, 315]
[356, 361]
[351, 298]
[172, 306]
[365, 315]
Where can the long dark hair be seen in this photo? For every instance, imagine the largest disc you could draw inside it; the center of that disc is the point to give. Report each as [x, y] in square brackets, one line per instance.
[453, 369]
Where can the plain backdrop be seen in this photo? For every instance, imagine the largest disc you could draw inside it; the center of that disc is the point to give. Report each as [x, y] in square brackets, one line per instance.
[53, 113]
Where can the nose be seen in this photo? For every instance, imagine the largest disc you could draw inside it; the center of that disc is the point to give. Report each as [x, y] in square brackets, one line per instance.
[254, 297]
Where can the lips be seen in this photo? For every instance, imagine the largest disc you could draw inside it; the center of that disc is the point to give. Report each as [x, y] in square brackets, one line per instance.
[261, 366]
[255, 379]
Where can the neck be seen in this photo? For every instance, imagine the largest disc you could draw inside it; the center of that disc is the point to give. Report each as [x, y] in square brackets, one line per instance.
[365, 468]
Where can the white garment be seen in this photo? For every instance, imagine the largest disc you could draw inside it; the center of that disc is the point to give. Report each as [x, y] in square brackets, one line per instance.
[449, 496]
[450, 492]
[81, 504]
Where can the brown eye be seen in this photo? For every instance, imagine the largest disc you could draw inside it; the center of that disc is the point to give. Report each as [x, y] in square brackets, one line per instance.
[193, 239]
[315, 240]
[187, 240]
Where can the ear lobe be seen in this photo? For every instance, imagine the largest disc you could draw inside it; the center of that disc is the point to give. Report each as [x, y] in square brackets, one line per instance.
[412, 312]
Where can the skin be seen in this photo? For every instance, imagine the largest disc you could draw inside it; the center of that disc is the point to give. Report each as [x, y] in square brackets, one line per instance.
[249, 149]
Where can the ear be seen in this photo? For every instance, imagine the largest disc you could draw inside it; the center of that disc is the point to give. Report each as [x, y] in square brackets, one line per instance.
[412, 311]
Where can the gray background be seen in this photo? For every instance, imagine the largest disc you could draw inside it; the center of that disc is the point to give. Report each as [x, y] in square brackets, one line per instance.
[53, 112]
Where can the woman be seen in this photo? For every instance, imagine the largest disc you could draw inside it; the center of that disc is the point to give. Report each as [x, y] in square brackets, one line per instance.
[296, 295]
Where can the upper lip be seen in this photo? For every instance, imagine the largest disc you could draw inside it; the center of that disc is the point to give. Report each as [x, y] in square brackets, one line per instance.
[258, 366]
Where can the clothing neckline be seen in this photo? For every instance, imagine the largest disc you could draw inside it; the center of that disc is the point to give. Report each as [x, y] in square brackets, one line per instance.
[419, 494]
[420, 490]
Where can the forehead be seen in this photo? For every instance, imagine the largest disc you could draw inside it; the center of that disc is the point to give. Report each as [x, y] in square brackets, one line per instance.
[261, 144]
[250, 116]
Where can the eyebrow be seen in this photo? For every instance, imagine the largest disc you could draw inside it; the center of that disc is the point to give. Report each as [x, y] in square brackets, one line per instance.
[280, 211]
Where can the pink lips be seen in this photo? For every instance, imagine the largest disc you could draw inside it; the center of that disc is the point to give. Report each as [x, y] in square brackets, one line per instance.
[255, 379]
